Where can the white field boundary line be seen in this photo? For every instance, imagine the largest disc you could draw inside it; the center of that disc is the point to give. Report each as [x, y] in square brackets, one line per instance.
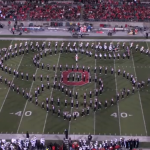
[71, 107]
[12, 81]
[67, 39]
[51, 92]
[71, 112]
[139, 95]
[9, 87]
[147, 45]
[95, 88]
[95, 97]
[74, 137]
[115, 96]
[27, 101]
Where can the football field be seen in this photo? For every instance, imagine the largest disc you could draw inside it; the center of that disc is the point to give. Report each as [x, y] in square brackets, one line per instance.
[129, 116]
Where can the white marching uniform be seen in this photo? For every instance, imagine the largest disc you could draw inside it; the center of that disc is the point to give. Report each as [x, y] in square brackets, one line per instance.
[76, 57]
[110, 48]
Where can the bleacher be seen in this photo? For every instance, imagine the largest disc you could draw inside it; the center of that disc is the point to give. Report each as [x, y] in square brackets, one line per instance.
[93, 10]
[39, 11]
[116, 11]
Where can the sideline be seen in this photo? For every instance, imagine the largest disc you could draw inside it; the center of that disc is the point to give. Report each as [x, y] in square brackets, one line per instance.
[73, 39]
[75, 137]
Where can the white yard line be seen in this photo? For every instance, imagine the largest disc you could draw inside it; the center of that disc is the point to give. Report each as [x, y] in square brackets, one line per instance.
[71, 107]
[71, 112]
[51, 93]
[27, 101]
[74, 137]
[115, 96]
[94, 112]
[147, 45]
[139, 95]
[9, 87]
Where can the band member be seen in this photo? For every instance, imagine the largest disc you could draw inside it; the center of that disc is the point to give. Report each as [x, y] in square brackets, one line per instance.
[128, 92]
[99, 105]
[72, 104]
[53, 109]
[58, 113]
[119, 72]
[124, 56]
[91, 102]
[76, 58]
[88, 111]
[76, 95]
[122, 94]
[114, 56]
[69, 117]
[94, 108]
[84, 96]
[105, 104]
[90, 79]
[82, 113]
[90, 94]
[47, 107]
[65, 103]
[48, 85]
[75, 116]
[77, 104]
[100, 69]
[42, 105]
[137, 47]
[65, 116]
[52, 101]
[118, 97]
[106, 71]
[124, 73]
[133, 90]
[118, 56]
[58, 102]
[36, 102]
[112, 102]
[112, 70]
[84, 103]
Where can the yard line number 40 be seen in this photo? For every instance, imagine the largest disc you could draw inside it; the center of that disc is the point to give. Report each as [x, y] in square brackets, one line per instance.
[27, 113]
[122, 115]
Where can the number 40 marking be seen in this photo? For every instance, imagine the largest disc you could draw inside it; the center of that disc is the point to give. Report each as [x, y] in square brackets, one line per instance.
[19, 113]
[123, 115]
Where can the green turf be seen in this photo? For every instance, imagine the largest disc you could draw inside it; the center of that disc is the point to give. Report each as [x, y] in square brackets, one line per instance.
[37, 120]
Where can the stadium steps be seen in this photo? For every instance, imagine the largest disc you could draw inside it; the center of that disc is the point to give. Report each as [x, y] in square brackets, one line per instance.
[66, 141]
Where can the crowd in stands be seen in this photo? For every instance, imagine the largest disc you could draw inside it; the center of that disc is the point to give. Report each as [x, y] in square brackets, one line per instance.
[88, 1]
[35, 11]
[115, 11]
[93, 10]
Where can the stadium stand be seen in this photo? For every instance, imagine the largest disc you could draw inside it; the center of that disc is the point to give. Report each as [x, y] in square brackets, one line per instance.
[34, 11]
[116, 11]
[93, 10]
